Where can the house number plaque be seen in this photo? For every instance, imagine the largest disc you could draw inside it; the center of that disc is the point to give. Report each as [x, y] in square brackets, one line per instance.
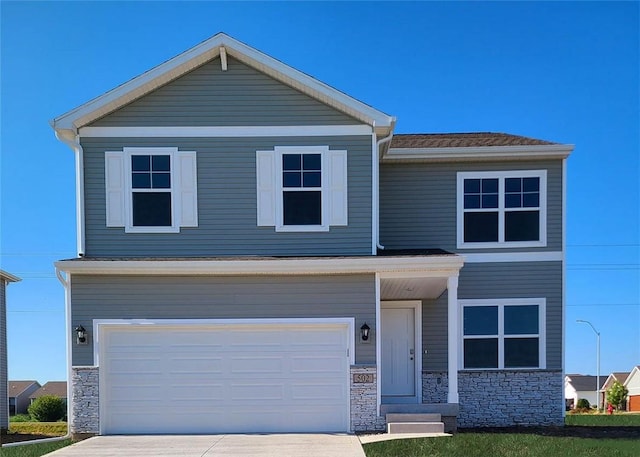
[362, 378]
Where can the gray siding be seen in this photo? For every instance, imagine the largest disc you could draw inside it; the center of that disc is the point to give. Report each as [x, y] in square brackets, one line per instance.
[227, 202]
[162, 297]
[497, 280]
[4, 404]
[418, 203]
[208, 96]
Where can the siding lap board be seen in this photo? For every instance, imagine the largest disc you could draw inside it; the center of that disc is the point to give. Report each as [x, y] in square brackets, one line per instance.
[494, 281]
[208, 96]
[4, 406]
[418, 203]
[206, 297]
[227, 223]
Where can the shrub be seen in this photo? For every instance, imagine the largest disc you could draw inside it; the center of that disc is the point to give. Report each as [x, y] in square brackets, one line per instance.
[583, 403]
[20, 418]
[617, 394]
[47, 408]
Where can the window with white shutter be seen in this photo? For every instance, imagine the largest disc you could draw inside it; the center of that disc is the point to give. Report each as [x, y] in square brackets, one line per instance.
[151, 190]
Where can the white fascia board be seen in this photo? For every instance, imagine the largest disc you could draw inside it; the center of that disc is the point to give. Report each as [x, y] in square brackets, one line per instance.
[436, 266]
[545, 151]
[8, 277]
[225, 131]
[198, 55]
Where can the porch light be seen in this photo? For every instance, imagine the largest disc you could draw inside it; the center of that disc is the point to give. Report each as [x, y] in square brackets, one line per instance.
[81, 335]
[364, 332]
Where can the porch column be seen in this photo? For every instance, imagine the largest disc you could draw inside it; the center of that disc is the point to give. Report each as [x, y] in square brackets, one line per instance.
[453, 325]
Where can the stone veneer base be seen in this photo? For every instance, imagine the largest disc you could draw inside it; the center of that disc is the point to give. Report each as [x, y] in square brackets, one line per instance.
[85, 400]
[507, 398]
[364, 404]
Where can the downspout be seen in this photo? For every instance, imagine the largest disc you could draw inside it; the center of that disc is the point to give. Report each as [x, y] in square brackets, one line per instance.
[74, 144]
[67, 299]
[376, 184]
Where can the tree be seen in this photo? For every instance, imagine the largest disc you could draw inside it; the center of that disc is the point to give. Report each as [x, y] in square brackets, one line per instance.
[47, 408]
[617, 394]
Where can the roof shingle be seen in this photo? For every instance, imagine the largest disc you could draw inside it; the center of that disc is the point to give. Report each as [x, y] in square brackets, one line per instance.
[463, 140]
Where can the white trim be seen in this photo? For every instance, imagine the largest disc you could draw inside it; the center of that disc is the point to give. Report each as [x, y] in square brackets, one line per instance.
[501, 303]
[198, 55]
[501, 210]
[429, 266]
[545, 256]
[102, 325]
[453, 338]
[8, 277]
[564, 273]
[378, 346]
[239, 131]
[417, 343]
[223, 58]
[479, 153]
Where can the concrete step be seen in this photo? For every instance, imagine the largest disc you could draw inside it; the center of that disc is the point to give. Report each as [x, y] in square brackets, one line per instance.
[415, 427]
[413, 417]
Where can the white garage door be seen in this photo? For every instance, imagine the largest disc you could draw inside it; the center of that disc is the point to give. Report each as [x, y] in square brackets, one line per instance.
[224, 378]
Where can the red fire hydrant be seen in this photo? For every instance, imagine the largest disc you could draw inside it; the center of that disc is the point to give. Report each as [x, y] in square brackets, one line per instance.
[610, 408]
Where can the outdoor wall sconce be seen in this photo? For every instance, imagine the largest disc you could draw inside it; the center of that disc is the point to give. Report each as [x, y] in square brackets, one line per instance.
[364, 332]
[81, 335]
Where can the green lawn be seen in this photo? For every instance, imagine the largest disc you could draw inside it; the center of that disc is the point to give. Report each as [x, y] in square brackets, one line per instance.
[604, 420]
[504, 445]
[33, 450]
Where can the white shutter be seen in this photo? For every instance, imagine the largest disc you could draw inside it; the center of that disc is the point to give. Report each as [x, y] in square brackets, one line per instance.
[338, 188]
[187, 188]
[115, 188]
[266, 187]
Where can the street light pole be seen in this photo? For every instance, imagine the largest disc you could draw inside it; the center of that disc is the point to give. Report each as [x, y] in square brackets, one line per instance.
[580, 321]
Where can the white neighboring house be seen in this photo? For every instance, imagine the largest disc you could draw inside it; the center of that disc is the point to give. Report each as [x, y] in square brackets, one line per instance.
[577, 386]
[632, 383]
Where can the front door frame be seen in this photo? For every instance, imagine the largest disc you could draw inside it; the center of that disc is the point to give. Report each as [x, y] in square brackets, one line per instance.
[417, 314]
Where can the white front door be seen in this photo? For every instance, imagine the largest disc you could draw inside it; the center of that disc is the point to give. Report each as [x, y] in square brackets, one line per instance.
[398, 351]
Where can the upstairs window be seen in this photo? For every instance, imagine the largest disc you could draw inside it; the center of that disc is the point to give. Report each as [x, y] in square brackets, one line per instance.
[503, 334]
[151, 190]
[301, 188]
[502, 209]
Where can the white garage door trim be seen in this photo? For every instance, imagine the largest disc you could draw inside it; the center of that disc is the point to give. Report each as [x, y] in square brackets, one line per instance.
[100, 328]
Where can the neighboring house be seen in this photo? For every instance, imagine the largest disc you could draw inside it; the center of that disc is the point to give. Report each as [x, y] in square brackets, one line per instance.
[258, 252]
[5, 280]
[19, 393]
[55, 388]
[621, 377]
[632, 383]
[577, 386]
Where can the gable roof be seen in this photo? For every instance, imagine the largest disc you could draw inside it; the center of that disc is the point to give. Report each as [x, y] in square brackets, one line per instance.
[8, 276]
[476, 146]
[18, 387]
[582, 383]
[220, 44]
[634, 372]
[57, 388]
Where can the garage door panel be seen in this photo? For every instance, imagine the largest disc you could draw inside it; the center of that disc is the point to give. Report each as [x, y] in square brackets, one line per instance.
[224, 379]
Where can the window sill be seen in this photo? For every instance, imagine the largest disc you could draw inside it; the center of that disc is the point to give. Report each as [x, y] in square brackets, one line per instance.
[505, 245]
[152, 229]
[302, 228]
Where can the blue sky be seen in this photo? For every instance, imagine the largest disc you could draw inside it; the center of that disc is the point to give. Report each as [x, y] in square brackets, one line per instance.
[565, 72]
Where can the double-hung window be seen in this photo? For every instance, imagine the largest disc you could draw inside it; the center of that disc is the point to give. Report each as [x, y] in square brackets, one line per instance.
[151, 190]
[502, 209]
[301, 188]
[503, 334]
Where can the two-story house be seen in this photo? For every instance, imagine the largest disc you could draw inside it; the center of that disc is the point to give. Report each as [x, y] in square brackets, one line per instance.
[258, 252]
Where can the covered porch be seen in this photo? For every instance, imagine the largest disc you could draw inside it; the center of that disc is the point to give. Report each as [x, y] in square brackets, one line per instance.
[417, 345]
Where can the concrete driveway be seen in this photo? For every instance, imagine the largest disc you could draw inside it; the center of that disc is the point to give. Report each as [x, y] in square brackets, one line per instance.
[289, 445]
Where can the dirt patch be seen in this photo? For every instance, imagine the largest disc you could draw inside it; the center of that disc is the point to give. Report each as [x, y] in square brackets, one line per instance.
[18, 437]
[577, 431]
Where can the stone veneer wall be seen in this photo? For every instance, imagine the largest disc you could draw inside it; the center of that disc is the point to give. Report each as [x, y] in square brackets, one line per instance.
[364, 407]
[85, 401]
[435, 386]
[507, 398]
